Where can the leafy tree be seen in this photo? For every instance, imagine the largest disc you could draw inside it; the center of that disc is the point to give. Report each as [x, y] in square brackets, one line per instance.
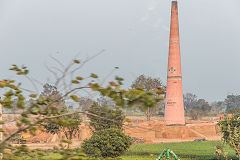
[231, 132]
[45, 107]
[110, 142]
[115, 115]
[69, 125]
[232, 102]
[107, 140]
[199, 108]
[203, 105]
[149, 84]
[234, 111]
[218, 107]
[195, 113]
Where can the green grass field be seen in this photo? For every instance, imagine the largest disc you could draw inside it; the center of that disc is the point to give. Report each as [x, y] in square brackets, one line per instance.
[204, 150]
[185, 151]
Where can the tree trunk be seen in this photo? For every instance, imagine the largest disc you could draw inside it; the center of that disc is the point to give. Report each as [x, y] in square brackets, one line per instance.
[148, 114]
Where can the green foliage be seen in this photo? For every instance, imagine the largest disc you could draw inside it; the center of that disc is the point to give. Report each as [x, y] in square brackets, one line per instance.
[76, 61]
[69, 125]
[148, 83]
[108, 140]
[106, 143]
[20, 70]
[47, 109]
[203, 105]
[220, 153]
[93, 75]
[231, 132]
[196, 108]
[203, 150]
[232, 102]
[233, 110]
[115, 115]
[200, 108]
[79, 78]
[75, 98]
[75, 81]
[155, 87]
[13, 93]
[23, 153]
[127, 98]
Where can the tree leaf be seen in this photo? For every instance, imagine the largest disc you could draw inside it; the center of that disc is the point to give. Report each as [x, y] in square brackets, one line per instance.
[76, 61]
[79, 78]
[93, 75]
[75, 82]
[33, 95]
[112, 83]
[75, 98]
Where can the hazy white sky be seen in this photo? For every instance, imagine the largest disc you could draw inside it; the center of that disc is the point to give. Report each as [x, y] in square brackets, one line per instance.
[135, 35]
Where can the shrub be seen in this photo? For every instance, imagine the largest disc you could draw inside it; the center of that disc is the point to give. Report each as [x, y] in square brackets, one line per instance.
[195, 113]
[106, 143]
[231, 132]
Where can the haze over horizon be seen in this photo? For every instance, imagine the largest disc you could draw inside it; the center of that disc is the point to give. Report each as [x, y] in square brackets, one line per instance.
[134, 35]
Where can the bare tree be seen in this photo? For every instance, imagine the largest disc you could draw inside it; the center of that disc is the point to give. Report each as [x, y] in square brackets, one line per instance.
[85, 103]
[189, 100]
[105, 101]
[51, 92]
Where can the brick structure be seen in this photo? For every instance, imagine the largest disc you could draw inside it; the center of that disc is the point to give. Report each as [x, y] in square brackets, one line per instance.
[174, 107]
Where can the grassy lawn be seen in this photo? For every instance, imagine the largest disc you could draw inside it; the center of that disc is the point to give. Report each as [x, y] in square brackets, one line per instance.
[186, 150]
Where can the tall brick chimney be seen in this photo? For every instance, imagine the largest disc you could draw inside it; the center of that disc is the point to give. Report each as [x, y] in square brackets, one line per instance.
[174, 107]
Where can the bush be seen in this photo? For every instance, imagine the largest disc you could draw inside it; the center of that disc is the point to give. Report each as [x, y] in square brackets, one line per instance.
[231, 132]
[195, 113]
[106, 143]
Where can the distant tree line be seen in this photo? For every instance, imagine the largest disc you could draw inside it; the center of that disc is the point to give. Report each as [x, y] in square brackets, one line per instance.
[196, 108]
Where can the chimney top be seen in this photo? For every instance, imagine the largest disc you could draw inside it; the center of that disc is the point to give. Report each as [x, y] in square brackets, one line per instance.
[175, 2]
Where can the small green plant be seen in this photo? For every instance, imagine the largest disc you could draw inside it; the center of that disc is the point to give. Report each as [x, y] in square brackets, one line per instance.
[220, 152]
[107, 143]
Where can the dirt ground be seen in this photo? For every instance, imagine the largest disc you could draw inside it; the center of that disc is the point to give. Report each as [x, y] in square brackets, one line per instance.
[142, 131]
